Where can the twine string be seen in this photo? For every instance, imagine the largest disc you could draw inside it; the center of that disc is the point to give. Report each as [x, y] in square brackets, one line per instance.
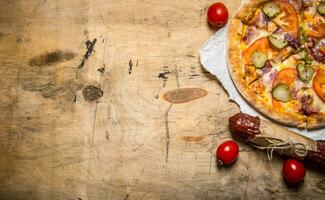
[276, 144]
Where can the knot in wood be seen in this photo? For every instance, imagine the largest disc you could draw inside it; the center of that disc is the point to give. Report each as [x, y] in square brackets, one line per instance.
[92, 93]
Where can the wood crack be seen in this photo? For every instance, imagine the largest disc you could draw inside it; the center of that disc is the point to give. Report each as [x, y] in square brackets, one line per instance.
[214, 136]
[95, 117]
[14, 102]
[167, 117]
[245, 194]
[130, 66]
[90, 45]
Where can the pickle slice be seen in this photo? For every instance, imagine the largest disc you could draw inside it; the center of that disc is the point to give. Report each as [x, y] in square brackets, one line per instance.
[282, 92]
[258, 58]
[271, 9]
[305, 72]
[321, 8]
[302, 36]
[277, 42]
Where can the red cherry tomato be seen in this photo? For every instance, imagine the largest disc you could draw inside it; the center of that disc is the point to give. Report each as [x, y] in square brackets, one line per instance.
[227, 152]
[294, 171]
[218, 14]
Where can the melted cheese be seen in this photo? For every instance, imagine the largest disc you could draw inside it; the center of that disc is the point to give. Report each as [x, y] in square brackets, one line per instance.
[289, 62]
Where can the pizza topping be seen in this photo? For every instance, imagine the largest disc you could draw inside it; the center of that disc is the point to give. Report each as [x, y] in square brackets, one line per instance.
[322, 49]
[292, 41]
[287, 19]
[282, 92]
[267, 67]
[294, 93]
[321, 8]
[300, 88]
[310, 42]
[278, 31]
[302, 36]
[306, 105]
[261, 44]
[318, 51]
[297, 4]
[273, 75]
[258, 58]
[259, 20]
[271, 9]
[318, 30]
[308, 3]
[305, 72]
[277, 41]
[319, 84]
[283, 54]
[287, 76]
[303, 55]
[268, 77]
[250, 34]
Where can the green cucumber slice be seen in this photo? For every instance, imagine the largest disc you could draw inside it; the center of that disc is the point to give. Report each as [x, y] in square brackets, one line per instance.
[277, 42]
[301, 69]
[258, 58]
[321, 8]
[282, 92]
[271, 9]
[305, 72]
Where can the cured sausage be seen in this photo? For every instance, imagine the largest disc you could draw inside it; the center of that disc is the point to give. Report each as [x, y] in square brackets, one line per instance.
[263, 136]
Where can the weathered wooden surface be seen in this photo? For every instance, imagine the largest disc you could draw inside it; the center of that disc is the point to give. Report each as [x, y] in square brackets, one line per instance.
[123, 141]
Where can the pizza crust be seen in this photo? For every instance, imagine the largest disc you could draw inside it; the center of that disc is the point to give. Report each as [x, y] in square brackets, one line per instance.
[316, 121]
[247, 11]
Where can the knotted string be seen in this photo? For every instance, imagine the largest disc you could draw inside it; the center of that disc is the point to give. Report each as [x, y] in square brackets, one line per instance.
[299, 149]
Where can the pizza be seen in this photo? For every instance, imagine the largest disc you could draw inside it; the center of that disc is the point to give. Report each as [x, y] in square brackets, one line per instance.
[276, 56]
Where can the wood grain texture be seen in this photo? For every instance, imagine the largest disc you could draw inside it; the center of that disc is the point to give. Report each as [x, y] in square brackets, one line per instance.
[127, 142]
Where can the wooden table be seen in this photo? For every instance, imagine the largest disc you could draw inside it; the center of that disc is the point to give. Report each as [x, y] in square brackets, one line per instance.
[84, 110]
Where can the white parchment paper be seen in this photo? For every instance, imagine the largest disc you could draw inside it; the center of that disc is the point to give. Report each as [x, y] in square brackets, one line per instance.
[213, 56]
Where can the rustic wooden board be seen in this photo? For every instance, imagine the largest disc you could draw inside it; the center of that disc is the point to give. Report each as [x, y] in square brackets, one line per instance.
[64, 138]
